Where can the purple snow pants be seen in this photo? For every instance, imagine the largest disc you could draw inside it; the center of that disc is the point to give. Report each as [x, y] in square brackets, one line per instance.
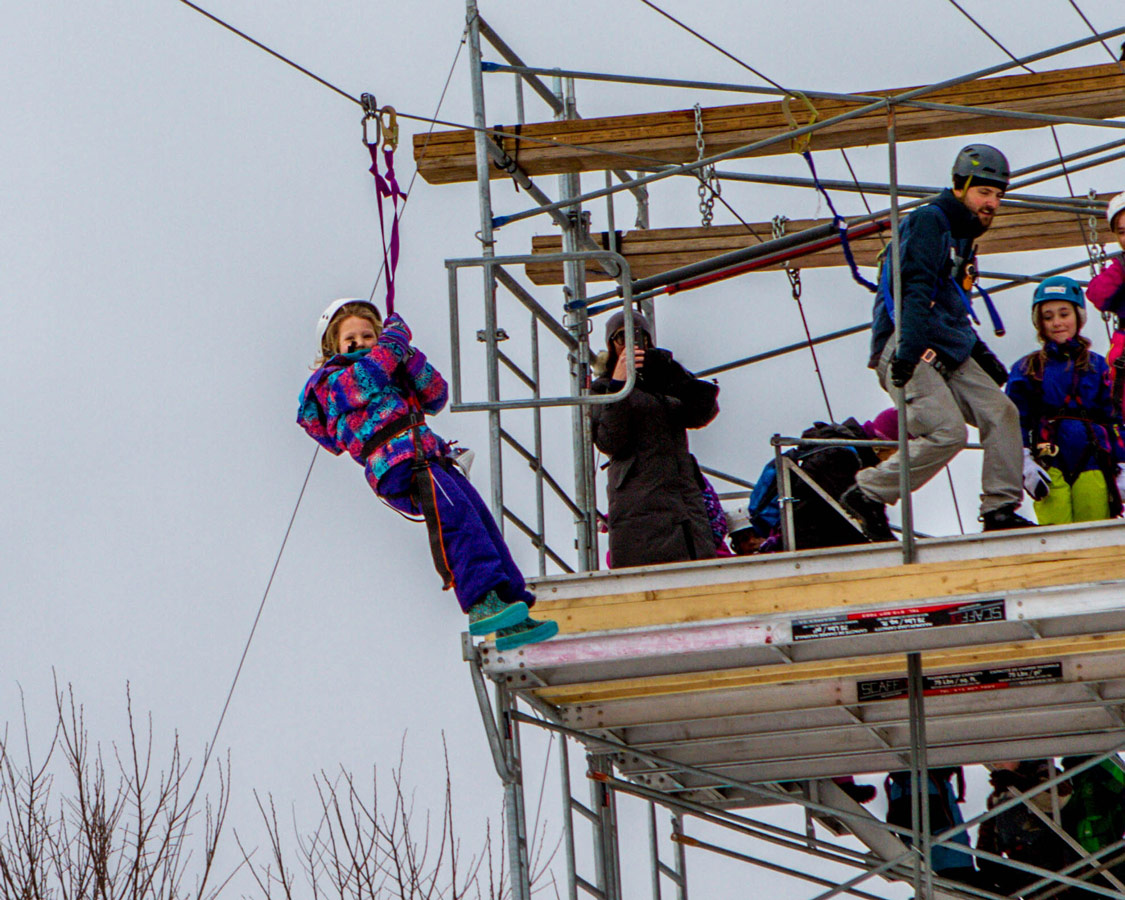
[475, 551]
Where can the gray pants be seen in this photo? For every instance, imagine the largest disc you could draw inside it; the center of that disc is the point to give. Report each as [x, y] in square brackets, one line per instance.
[937, 410]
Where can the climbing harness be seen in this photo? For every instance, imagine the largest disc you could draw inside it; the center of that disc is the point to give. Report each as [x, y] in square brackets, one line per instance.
[386, 134]
[1099, 435]
[425, 495]
[423, 485]
[794, 276]
[709, 186]
[963, 276]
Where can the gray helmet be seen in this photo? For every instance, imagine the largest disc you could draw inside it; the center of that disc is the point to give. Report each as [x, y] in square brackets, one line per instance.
[984, 165]
[617, 322]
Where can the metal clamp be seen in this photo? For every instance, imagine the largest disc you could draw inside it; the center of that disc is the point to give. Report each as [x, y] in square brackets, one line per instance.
[370, 113]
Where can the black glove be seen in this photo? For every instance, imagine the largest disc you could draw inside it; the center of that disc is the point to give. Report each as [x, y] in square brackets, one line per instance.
[902, 371]
[988, 361]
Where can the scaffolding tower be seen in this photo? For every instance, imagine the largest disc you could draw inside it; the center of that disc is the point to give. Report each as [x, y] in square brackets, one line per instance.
[711, 689]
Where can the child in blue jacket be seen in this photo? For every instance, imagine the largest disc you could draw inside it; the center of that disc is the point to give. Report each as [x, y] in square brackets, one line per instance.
[369, 397]
[1071, 431]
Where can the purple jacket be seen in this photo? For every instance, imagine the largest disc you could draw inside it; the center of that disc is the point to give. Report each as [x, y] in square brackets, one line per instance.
[1107, 289]
[353, 395]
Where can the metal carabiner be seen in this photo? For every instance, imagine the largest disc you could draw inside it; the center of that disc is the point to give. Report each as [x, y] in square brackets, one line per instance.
[389, 128]
[370, 111]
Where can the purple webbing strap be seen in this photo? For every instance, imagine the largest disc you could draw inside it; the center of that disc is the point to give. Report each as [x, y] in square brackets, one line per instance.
[387, 187]
[841, 226]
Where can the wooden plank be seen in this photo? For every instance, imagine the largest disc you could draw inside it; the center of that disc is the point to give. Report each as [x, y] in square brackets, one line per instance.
[647, 139]
[1012, 653]
[655, 250]
[835, 590]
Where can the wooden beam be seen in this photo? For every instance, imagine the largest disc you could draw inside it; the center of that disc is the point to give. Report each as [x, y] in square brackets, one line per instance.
[655, 250]
[648, 139]
[835, 590]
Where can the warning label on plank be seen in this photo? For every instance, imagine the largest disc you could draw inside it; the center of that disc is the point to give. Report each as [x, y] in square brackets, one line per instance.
[906, 618]
[962, 682]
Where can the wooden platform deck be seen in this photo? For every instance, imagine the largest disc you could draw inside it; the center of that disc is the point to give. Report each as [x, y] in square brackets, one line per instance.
[793, 666]
[659, 138]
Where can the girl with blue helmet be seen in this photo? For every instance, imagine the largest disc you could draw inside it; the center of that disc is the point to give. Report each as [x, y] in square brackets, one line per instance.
[1072, 440]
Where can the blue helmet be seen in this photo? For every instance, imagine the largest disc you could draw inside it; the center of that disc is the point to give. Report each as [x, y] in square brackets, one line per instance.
[1059, 287]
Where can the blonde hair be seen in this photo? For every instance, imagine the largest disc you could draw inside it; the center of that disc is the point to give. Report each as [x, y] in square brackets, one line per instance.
[328, 342]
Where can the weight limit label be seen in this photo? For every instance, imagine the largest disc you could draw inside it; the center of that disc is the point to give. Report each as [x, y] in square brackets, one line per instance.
[962, 682]
[906, 618]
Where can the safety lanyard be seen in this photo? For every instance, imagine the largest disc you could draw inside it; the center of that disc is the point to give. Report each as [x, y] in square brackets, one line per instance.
[386, 185]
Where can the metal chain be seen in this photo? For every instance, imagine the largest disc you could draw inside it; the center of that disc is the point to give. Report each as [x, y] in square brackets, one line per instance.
[1096, 248]
[794, 275]
[709, 187]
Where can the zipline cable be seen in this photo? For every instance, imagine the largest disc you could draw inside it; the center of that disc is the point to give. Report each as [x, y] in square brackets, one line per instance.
[433, 120]
[1054, 131]
[257, 617]
[649, 163]
[712, 44]
[1090, 25]
[273, 53]
[839, 221]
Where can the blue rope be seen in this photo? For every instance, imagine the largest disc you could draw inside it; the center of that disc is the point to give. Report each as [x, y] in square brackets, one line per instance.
[841, 227]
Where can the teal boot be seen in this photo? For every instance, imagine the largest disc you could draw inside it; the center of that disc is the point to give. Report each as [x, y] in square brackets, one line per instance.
[529, 631]
[490, 614]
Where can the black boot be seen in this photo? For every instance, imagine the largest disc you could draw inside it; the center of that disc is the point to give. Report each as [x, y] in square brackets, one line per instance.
[872, 514]
[1004, 518]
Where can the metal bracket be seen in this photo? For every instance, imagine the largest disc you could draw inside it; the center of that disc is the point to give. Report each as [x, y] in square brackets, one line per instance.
[501, 335]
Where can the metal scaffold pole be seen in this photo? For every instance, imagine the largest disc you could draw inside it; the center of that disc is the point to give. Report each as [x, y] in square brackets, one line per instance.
[484, 192]
[514, 817]
[919, 779]
[909, 552]
[570, 186]
[604, 807]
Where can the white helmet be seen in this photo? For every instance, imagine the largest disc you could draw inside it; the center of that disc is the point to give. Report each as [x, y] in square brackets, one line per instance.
[334, 307]
[1115, 206]
[737, 518]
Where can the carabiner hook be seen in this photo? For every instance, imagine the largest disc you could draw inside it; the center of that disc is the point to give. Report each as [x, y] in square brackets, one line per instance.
[370, 111]
[389, 128]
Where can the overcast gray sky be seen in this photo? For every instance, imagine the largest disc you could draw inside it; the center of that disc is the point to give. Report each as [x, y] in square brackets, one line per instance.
[179, 207]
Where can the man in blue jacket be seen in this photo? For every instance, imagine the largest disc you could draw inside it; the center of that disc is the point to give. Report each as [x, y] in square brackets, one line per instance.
[950, 377]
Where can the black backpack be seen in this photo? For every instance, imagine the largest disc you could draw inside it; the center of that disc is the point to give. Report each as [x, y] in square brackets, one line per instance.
[834, 469]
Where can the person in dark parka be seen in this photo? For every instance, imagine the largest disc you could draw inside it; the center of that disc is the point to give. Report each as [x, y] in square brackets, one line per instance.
[656, 508]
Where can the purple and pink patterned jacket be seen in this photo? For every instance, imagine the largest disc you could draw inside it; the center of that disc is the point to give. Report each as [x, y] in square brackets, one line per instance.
[353, 395]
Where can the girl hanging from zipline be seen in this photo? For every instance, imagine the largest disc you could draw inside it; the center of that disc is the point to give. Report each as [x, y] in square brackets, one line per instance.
[369, 396]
